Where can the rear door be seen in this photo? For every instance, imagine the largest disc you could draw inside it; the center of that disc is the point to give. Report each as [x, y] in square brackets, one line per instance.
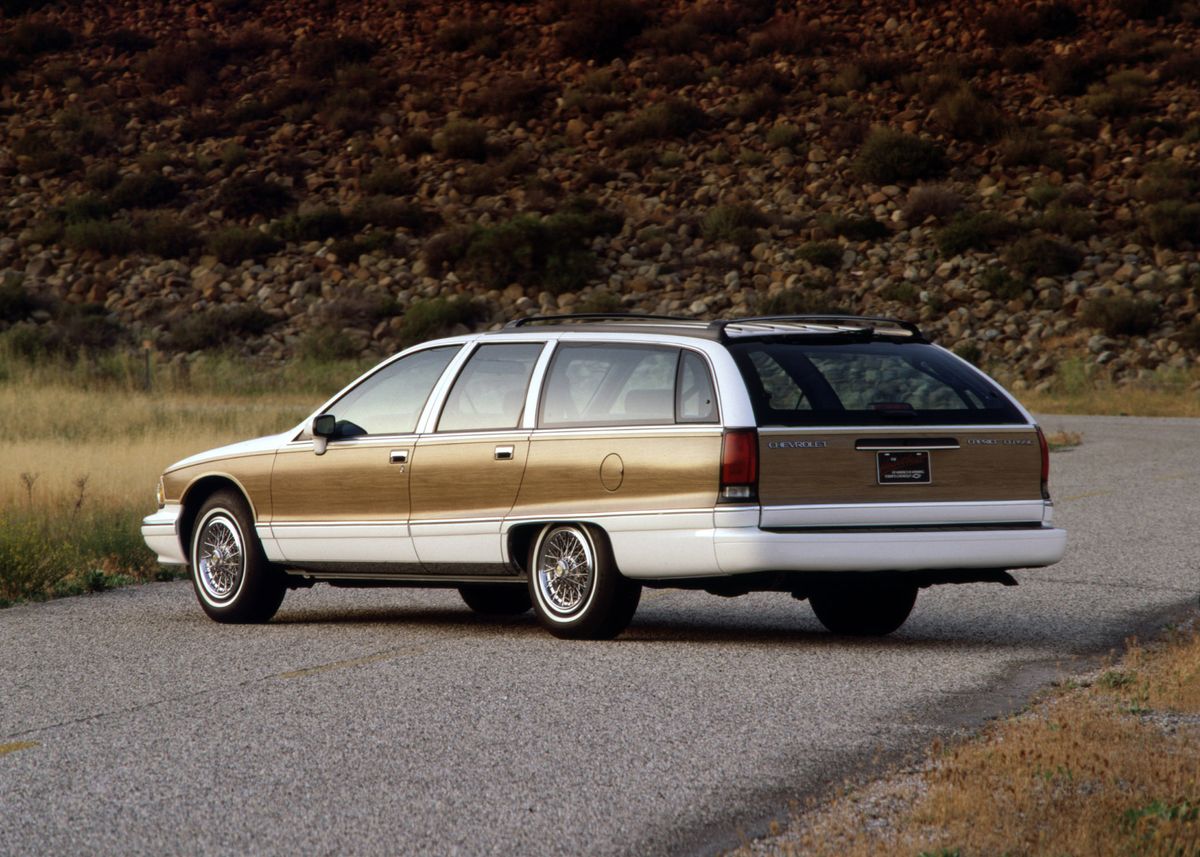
[857, 433]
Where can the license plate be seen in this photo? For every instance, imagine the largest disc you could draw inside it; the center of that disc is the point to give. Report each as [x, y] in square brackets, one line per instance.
[902, 468]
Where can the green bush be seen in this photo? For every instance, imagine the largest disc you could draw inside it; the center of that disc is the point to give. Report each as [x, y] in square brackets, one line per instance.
[314, 225]
[328, 344]
[967, 116]
[459, 36]
[1120, 315]
[433, 317]
[393, 214]
[217, 326]
[902, 292]
[1037, 256]
[676, 117]
[16, 303]
[175, 63]
[78, 209]
[802, 301]
[464, 139]
[1125, 94]
[936, 201]
[787, 35]
[892, 156]
[348, 250]
[246, 196]
[970, 352]
[1070, 74]
[99, 236]
[599, 29]
[388, 180]
[1067, 220]
[166, 237]
[854, 228]
[975, 231]
[144, 191]
[784, 136]
[1182, 66]
[234, 244]
[1173, 222]
[1189, 337]
[126, 41]
[32, 37]
[827, 254]
[1001, 283]
[320, 56]
[738, 224]
[1167, 179]
[414, 144]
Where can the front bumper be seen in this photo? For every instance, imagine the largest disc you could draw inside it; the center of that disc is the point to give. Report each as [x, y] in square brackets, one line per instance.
[161, 532]
[742, 550]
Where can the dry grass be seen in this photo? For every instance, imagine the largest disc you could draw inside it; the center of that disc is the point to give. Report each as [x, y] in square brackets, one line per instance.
[1060, 440]
[1079, 389]
[1097, 770]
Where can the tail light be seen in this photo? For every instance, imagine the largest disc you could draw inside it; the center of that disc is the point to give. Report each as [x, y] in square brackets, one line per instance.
[739, 465]
[1045, 463]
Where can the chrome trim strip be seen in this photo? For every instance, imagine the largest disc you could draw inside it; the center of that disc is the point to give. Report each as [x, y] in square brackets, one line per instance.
[629, 431]
[893, 429]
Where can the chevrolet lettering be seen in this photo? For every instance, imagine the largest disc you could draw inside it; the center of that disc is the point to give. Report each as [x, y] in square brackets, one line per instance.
[563, 464]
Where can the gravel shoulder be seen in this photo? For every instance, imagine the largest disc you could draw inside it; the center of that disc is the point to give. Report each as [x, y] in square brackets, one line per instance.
[397, 722]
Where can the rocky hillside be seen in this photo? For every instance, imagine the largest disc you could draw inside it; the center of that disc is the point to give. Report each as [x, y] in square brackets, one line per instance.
[328, 178]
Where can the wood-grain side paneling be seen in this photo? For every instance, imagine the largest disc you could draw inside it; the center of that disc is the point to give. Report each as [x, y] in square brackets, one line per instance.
[352, 481]
[252, 472]
[462, 478]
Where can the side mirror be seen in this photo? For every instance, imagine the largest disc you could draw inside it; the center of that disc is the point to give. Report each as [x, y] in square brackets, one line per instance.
[323, 427]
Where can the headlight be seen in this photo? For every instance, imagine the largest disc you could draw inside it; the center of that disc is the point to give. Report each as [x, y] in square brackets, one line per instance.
[160, 493]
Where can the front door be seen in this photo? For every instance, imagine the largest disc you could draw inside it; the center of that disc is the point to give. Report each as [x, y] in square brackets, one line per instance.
[348, 508]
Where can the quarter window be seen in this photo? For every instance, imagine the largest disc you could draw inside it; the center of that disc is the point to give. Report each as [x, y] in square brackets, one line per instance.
[599, 385]
[390, 401]
[696, 401]
[490, 390]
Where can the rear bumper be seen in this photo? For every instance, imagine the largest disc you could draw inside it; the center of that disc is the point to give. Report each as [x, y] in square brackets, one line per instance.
[161, 532]
[742, 550]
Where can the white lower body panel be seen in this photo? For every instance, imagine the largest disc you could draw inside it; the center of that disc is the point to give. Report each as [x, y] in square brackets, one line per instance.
[743, 550]
[161, 532]
[386, 542]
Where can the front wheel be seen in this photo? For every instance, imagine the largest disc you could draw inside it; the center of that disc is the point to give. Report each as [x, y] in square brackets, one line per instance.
[863, 611]
[233, 580]
[575, 587]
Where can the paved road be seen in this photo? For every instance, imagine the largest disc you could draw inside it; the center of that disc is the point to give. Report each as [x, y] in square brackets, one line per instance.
[394, 721]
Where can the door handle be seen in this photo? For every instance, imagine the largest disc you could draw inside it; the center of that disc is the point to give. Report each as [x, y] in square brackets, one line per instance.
[398, 456]
[504, 453]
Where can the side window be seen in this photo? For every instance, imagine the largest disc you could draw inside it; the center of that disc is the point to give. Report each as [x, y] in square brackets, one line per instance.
[696, 401]
[598, 385]
[490, 391]
[390, 401]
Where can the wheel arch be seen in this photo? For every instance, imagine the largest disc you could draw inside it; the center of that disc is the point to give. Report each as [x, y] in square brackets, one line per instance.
[199, 491]
[521, 538]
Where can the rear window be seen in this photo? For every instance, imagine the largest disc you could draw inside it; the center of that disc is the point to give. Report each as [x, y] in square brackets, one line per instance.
[793, 383]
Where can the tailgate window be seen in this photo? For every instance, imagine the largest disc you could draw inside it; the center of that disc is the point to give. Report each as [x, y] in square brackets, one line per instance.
[793, 383]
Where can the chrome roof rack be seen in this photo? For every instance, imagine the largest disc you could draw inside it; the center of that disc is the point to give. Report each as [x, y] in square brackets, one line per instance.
[618, 317]
[866, 325]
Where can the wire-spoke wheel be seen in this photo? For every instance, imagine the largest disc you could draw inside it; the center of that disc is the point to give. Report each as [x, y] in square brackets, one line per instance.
[575, 586]
[233, 580]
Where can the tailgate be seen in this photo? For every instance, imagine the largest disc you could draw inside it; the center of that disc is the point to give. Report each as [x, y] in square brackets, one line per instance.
[928, 476]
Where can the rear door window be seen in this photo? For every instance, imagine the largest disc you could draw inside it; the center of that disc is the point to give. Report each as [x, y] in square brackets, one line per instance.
[794, 383]
[601, 385]
[489, 392]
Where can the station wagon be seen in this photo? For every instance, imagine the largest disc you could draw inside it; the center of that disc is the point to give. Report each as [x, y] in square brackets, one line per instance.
[563, 463]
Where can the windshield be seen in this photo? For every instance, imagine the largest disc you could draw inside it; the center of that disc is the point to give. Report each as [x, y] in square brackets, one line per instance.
[794, 383]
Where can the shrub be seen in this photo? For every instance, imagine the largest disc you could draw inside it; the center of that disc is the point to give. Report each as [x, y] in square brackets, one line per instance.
[902, 292]
[32, 37]
[1037, 256]
[393, 214]
[868, 70]
[1074, 223]
[1070, 74]
[827, 254]
[349, 249]
[1043, 193]
[233, 244]
[1007, 26]
[1182, 66]
[1020, 60]
[462, 139]
[1123, 95]
[172, 64]
[99, 236]
[1167, 179]
[602, 301]
[784, 136]
[676, 117]
[738, 224]
[936, 201]
[78, 209]
[802, 301]
[328, 343]
[323, 55]
[891, 156]
[313, 225]
[143, 191]
[388, 180]
[1055, 19]
[1148, 10]
[791, 35]
[1189, 337]
[676, 72]
[486, 178]
[245, 196]
[972, 232]
[50, 159]
[854, 228]
[445, 249]
[126, 41]
[1027, 148]
[16, 303]
[166, 237]
[432, 317]
[1120, 315]
[481, 36]
[600, 29]
[1001, 283]
[967, 116]
[515, 98]
[1173, 222]
[970, 352]
[216, 326]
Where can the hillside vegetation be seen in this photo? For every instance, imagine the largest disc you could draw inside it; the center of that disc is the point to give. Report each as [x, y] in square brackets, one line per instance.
[340, 179]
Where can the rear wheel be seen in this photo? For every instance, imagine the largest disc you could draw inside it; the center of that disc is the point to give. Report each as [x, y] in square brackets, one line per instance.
[863, 611]
[233, 580]
[496, 599]
[575, 587]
